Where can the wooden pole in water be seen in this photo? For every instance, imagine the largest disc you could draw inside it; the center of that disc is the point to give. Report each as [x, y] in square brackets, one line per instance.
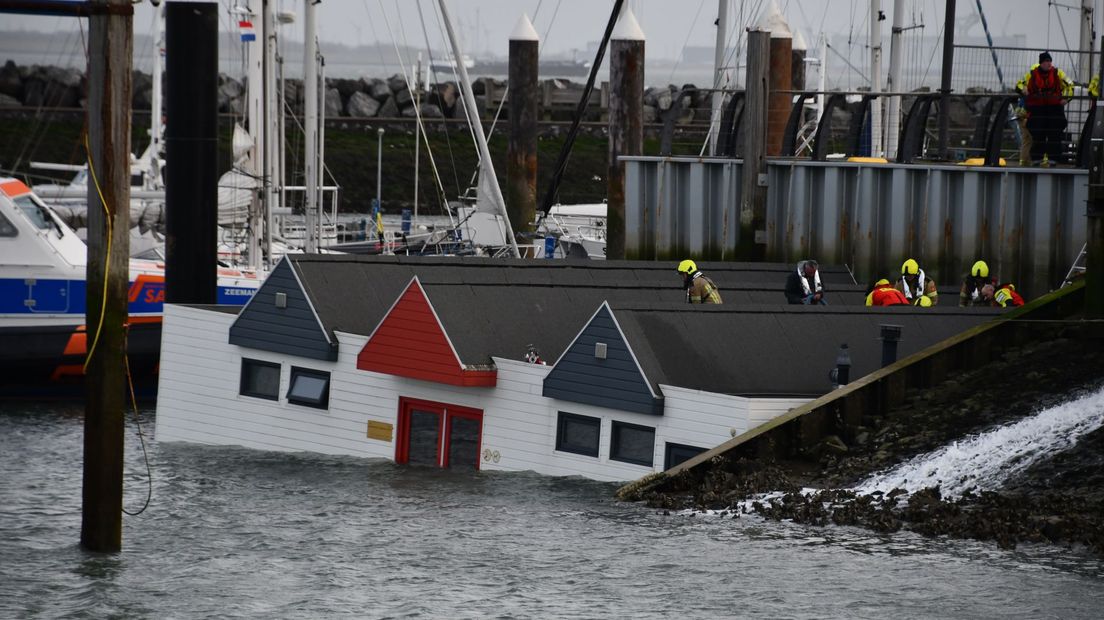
[753, 206]
[191, 147]
[779, 81]
[109, 94]
[521, 154]
[626, 121]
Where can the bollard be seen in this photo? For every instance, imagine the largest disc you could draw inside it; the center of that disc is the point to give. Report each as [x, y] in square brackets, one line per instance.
[841, 374]
[891, 334]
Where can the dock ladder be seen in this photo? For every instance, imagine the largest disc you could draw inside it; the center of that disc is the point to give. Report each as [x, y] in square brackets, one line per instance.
[1077, 269]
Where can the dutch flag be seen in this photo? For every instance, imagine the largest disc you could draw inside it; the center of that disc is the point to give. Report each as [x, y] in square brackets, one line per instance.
[247, 33]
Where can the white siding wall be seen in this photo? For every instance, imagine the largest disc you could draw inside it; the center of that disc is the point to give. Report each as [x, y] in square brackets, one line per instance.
[198, 401]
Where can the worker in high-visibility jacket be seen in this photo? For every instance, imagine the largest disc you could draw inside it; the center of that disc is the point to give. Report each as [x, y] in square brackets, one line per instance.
[1005, 295]
[916, 285]
[1046, 89]
[883, 294]
[699, 288]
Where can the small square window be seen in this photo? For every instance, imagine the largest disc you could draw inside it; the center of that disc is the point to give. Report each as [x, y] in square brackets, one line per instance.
[260, 379]
[309, 387]
[631, 443]
[7, 229]
[677, 453]
[578, 434]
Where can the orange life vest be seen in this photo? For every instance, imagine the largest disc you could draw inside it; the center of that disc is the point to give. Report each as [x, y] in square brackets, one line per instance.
[1044, 88]
[886, 295]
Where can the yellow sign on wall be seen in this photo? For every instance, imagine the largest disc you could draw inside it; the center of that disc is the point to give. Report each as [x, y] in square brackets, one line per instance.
[379, 430]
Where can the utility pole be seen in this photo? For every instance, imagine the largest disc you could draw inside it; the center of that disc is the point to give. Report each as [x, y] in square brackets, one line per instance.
[110, 50]
[254, 113]
[310, 112]
[153, 181]
[718, 74]
[876, 17]
[945, 82]
[894, 85]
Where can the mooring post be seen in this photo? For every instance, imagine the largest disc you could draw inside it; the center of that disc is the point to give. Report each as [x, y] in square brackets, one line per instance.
[753, 205]
[626, 121]
[191, 147]
[797, 65]
[1094, 230]
[778, 79]
[521, 153]
[110, 49]
[945, 81]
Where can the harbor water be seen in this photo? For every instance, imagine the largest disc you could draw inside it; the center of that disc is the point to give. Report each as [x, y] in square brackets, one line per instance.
[239, 533]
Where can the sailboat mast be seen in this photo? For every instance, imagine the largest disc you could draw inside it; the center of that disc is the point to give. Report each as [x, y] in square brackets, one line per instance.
[485, 165]
[153, 179]
[310, 100]
[255, 117]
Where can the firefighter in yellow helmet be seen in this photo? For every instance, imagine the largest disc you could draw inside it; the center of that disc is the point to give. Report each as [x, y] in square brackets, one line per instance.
[971, 292]
[699, 288]
[915, 285]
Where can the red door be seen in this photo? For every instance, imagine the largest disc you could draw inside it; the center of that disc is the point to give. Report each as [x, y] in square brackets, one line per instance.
[438, 435]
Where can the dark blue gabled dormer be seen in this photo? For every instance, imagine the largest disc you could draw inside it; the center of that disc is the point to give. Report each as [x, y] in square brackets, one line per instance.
[599, 369]
[281, 319]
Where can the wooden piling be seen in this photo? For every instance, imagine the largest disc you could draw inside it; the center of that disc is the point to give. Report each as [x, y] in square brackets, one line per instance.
[945, 80]
[110, 47]
[521, 154]
[626, 121]
[797, 62]
[191, 147]
[779, 81]
[753, 206]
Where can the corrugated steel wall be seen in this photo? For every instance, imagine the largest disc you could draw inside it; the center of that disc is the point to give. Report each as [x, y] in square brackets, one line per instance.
[1027, 223]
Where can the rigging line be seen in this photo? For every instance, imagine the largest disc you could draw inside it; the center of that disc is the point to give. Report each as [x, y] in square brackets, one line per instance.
[141, 435]
[437, 80]
[689, 33]
[42, 117]
[580, 111]
[469, 114]
[935, 48]
[448, 141]
[417, 111]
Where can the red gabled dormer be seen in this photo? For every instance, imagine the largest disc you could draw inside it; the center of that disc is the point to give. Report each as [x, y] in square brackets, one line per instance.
[411, 342]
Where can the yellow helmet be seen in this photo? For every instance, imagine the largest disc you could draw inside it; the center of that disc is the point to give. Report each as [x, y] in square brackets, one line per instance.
[687, 266]
[924, 301]
[882, 282]
[980, 270]
[910, 268]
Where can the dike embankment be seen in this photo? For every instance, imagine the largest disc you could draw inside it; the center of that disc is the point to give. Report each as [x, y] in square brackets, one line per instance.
[810, 466]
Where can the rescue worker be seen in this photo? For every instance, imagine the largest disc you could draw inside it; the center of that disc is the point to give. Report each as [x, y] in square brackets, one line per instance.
[916, 285]
[1045, 89]
[885, 294]
[803, 285]
[1006, 295]
[699, 288]
[971, 294]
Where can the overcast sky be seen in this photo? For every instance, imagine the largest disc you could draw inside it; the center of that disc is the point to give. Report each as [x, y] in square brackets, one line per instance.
[668, 24]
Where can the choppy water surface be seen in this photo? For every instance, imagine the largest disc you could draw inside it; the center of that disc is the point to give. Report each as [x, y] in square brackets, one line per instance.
[233, 532]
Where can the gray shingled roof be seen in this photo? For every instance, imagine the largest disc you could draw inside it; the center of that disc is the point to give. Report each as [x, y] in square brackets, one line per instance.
[775, 350]
[352, 293]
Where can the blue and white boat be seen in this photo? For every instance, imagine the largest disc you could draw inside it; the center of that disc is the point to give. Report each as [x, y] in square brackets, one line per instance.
[43, 296]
